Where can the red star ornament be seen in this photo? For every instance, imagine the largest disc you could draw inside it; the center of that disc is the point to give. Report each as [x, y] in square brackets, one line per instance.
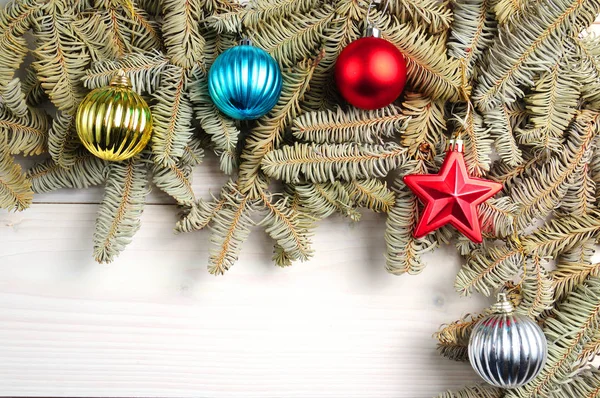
[451, 196]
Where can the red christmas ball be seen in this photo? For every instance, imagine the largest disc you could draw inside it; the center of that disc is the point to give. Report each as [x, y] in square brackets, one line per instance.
[370, 73]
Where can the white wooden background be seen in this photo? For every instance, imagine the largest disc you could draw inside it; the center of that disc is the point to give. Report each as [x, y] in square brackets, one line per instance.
[155, 323]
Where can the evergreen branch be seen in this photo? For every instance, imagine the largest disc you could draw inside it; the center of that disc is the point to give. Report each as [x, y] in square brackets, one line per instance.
[193, 153]
[562, 233]
[13, 98]
[144, 31]
[322, 200]
[230, 228]
[568, 328]
[435, 15]
[403, 250]
[181, 32]
[288, 228]
[426, 125]
[295, 38]
[26, 135]
[585, 384]
[507, 175]
[508, 9]
[268, 133]
[15, 20]
[96, 36]
[15, 188]
[488, 269]
[429, 69]
[568, 275]
[63, 143]
[590, 350]
[542, 189]
[373, 194]
[143, 69]
[551, 106]
[260, 11]
[199, 215]
[175, 180]
[580, 197]
[520, 54]
[453, 339]
[331, 162]
[61, 58]
[477, 141]
[221, 129]
[354, 125]
[172, 116]
[32, 88]
[497, 216]
[86, 171]
[120, 211]
[501, 131]
[473, 30]
[475, 391]
[537, 290]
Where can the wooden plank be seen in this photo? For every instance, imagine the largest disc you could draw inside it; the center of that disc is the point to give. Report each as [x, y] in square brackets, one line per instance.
[155, 323]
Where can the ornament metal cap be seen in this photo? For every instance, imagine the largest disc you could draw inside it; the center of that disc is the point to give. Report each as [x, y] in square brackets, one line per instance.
[455, 145]
[245, 42]
[120, 79]
[372, 31]
[503, 306]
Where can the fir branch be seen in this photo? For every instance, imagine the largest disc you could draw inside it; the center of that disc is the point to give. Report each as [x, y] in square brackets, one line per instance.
[591, 350]
[259, 12]
[193, 153]
[91, 30]
[488, 269]
[25, 135]
[288, 228]
[181, 32]
[171, 116]
[175, 180]
[473, 30]
[585, 384]
[519, 54]
[429, 69]
[435, 15]
[230, 228]
[501, 131]
[86, 171]
[267, 134]
[542, 189]
[13, 98]
[222, 130]
[537, 290]
[61, 58]
[403, 253]
[144, 31]
[15, 188]
[551, 106]
[373, 194]
[477, 141]
[508, 175]
[143, 69]
[568, 275]
[580, 197]
[199, 215]
[453, 339]
[353, 125]
[426, 125]
[476, 391]
[497, 216]
[32, 88]
[331, 162]
[322, 200]
[506, 10]
[15, 20]
[569, 327]
[290, 40]
[562, 233]
[120, 211]
[63, 143]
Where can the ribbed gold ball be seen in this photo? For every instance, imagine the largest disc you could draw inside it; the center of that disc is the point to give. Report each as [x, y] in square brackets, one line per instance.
[113, 122]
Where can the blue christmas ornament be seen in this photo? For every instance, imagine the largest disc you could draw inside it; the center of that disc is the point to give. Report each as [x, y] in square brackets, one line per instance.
[245, 82]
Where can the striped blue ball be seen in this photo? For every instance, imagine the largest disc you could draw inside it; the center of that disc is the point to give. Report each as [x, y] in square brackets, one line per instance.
[245, 82]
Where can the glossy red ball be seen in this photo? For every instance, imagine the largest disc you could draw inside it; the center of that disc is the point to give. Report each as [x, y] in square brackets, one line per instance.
[370, 73]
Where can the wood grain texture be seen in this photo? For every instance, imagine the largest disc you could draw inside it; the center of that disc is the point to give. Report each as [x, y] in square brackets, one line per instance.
[155, 323]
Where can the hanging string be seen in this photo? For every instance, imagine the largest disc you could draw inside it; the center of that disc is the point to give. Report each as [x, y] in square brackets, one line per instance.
[373, 3]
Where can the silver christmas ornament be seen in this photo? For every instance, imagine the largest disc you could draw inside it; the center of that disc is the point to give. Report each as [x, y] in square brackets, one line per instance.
[506, 349]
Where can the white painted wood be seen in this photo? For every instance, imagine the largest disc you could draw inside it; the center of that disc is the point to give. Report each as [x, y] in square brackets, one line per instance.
[155, 323]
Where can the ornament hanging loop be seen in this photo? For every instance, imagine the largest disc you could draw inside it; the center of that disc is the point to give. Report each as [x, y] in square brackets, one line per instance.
[370, 24]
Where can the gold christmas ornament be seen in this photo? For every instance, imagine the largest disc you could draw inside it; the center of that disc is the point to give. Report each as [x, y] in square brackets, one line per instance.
[114, 122]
